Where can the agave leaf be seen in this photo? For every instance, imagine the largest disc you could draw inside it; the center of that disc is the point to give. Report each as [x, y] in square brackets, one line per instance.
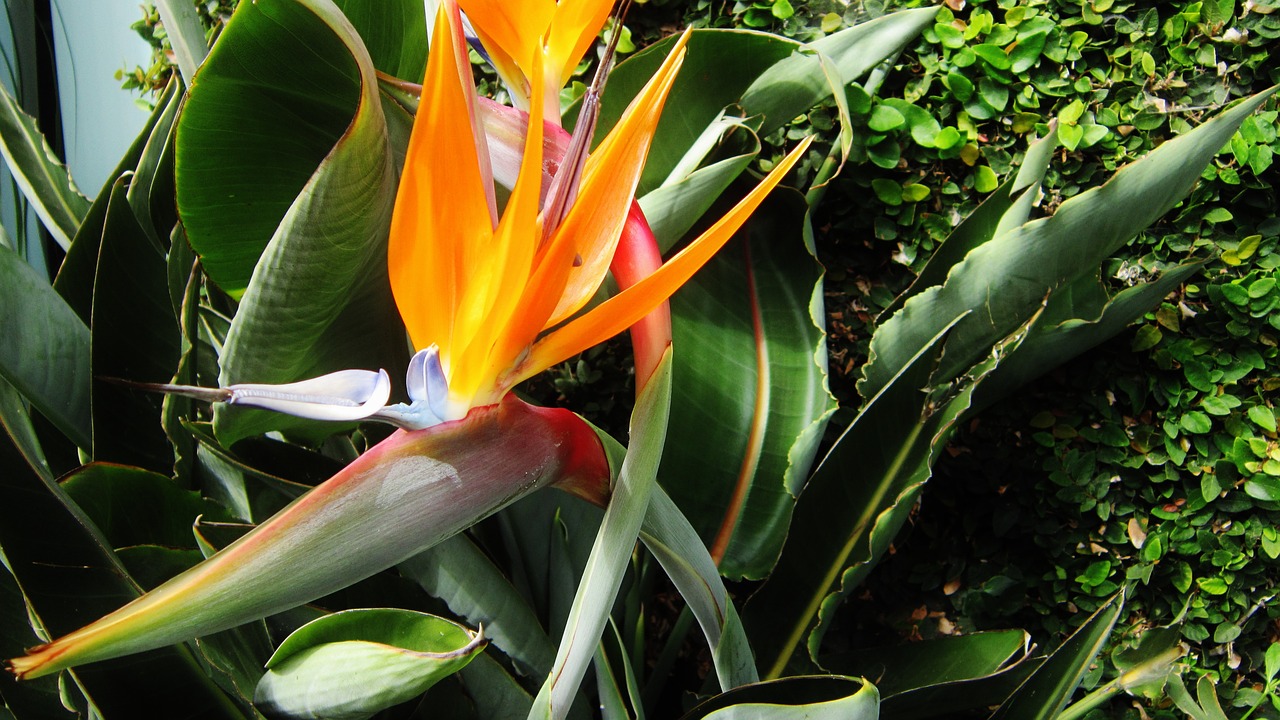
[45, 356]
[319, 300]
[944, 676]
[1005, 280]
[41, 176]
[995, 214]
[352, 664]
[612, 550]
[1045, 693]
[853, 505]
[1063, 331]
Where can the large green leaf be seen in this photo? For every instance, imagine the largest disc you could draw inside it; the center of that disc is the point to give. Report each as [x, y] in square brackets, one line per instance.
[278, 90]
[612, 550]
[1007, 207]
[319, 300]
[45, 355]
[1065, 331]
[43, 178]
[135, 507]
[1005, 280]
[134, 337]
[749, 399]
[69, 575]
[395, 33]
[944, 676]
[353, 664]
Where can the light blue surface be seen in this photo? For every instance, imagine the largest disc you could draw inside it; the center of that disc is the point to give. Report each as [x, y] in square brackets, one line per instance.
[99, 120]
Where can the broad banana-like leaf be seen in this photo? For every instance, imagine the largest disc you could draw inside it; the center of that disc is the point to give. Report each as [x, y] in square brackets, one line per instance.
[352, 664]
[406, 494]
[45, 355]
[77, 577]
[749, 401]
[798, 83]
[134, 337]
[610, 555]
[395, 34]
[1045, 693]
[319, 300]
[756, 71]
[43, 179]
[1003, 281]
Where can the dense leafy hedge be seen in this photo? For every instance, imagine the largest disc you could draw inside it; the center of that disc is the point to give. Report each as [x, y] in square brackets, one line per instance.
[1152, 463]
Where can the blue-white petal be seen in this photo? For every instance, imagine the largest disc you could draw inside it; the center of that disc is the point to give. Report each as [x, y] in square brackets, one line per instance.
[343, 395]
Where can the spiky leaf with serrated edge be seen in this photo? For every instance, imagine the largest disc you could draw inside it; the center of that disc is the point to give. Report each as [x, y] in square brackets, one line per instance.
[749, 399]
[1006, 279]
[1045, 693]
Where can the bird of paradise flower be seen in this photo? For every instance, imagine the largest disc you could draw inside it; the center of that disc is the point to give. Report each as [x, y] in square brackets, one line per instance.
[489, 299]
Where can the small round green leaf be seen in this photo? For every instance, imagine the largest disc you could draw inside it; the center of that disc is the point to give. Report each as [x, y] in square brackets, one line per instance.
[884, 118]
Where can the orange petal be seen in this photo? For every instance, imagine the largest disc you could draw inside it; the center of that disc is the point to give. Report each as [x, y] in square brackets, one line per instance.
[488, 315]
[624, 309]
[573, 29]
[442, 220]
[515, 27]
[578, 256]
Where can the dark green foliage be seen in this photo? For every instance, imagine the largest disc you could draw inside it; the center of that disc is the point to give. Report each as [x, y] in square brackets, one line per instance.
[1152, 463]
